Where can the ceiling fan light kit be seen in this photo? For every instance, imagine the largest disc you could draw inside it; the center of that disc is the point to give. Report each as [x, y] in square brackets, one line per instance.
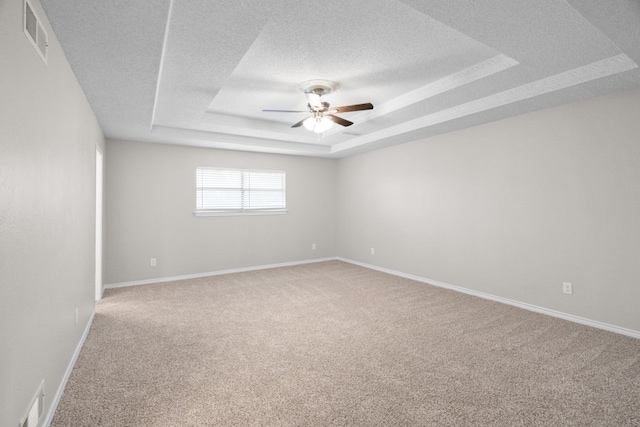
[317, 124]
[322, 117]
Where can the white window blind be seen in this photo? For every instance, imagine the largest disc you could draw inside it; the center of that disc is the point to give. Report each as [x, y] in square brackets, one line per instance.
[237, 191]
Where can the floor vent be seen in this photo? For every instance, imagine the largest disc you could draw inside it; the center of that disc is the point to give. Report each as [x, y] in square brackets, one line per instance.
[35, 32]
[34, 413]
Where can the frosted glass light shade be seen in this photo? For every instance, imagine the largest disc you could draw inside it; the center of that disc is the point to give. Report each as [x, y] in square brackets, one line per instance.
[317, 124]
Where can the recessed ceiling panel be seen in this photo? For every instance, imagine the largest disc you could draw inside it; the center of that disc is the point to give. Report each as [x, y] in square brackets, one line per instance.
[356, 44]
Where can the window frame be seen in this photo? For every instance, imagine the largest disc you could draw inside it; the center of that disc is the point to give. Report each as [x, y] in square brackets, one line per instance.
[244, 190]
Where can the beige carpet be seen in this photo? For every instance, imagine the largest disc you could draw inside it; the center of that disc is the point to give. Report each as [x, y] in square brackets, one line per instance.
[333, 344]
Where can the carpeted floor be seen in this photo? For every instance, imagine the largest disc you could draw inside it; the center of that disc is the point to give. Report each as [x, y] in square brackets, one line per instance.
[333, 344]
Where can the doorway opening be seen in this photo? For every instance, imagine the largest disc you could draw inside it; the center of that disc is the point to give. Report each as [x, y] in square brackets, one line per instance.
[99, 183]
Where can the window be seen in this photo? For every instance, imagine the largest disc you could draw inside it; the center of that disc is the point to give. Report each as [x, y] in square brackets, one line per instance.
[239, 192]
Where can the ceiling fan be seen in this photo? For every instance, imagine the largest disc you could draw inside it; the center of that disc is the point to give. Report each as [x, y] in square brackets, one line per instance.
[322, 115]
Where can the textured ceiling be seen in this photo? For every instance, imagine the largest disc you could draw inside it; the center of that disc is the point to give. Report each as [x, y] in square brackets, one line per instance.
[201, 72]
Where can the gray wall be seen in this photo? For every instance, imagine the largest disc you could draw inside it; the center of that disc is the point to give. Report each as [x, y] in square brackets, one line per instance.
[150, 199]
[512, 208]
[48, 138]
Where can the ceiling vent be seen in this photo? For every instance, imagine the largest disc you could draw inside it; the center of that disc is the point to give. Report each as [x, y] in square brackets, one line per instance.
[34, 31]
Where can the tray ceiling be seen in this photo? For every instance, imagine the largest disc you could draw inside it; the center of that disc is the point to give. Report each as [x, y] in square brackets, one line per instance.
[201, 72]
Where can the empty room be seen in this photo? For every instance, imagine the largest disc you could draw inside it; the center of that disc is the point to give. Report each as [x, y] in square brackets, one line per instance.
[356, 213]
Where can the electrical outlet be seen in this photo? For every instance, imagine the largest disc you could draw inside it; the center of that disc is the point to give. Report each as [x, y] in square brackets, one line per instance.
[153, 262]
[313, 246]
[567, 288]
[373, 251]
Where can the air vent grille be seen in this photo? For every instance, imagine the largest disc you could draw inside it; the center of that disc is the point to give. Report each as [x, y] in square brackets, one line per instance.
[34, 414]
[35, 32]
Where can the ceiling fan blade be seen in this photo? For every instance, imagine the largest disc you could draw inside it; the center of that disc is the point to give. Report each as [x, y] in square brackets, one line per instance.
[297, 125]
[355, 107]
[284, 111]
[338, 120]
[314, 100]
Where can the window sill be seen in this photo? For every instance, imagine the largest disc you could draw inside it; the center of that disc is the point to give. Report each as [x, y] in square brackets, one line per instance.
[244, 213]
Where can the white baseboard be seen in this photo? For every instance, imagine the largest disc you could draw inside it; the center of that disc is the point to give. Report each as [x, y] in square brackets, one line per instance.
[530, 307]
[67, 374]
[215, 273]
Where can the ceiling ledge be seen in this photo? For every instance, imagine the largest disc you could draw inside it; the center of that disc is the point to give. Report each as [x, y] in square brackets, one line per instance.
[233, 142]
